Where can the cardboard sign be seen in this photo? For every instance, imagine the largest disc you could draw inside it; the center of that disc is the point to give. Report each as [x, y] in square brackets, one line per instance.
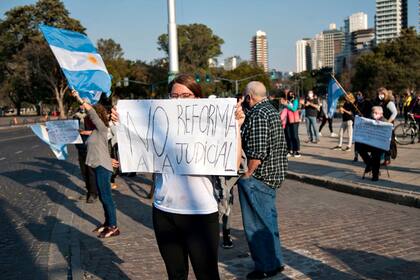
[64, 132]
[373, 133]
[179, 136]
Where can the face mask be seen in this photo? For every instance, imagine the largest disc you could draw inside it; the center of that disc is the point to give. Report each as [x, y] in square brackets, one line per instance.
[310, 96]
[381, 97]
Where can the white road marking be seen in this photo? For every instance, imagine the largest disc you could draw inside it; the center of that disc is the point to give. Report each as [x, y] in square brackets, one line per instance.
[2, 158]
[18, 152]
[34, 146]
[15, 138]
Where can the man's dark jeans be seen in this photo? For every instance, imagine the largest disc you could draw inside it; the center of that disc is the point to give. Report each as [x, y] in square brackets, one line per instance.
[259, 216]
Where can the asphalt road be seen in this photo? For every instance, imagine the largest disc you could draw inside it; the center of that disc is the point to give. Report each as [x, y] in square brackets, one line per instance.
[325, 234]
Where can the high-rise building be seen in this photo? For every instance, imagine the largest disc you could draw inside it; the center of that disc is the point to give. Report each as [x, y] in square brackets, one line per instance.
[232, 62]
[333, 46]
[317, 51]
[362, 40]
[303, 55]
[355, 22]
[259, 50]
[390, 19]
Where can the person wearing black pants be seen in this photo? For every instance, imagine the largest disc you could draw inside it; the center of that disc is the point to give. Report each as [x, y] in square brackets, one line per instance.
[181, 236]
[372, 160]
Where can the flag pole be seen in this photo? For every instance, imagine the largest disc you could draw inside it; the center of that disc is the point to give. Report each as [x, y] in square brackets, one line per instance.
[346, 94]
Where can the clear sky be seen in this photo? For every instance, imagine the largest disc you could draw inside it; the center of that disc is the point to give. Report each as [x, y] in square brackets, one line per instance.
[136, 24]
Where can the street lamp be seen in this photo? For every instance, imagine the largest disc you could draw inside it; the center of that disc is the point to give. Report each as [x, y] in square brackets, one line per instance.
[236, 82]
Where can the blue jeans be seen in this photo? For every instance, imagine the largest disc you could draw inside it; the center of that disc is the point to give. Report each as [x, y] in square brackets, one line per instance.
[313, 133]
[259, 216]
[103, 181]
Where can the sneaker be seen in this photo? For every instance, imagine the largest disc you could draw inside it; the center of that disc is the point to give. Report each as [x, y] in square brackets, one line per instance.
[227, 243]
[308, 140]
[320, 134]
[347, 149]
[333, 135]
[296, 155]
[114, 186]
[337, 148]
[289, 154]
[91, 198]
[109, 232]
[99, 229]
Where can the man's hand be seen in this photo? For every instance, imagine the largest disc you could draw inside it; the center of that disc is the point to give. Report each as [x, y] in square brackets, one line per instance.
[239, 113]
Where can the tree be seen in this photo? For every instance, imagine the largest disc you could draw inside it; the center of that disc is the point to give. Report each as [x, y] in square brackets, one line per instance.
[109, 49]
[20, 40]
[196, 44]
[394, 64]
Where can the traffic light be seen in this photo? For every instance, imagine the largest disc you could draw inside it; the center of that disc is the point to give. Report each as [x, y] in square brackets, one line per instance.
[208, 78]
[197, 78]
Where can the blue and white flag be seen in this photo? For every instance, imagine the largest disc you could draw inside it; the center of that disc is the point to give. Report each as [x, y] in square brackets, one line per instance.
[334, 93]
[60, 151]
[81, 63]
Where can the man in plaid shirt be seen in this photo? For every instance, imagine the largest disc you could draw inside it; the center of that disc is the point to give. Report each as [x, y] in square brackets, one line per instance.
[266, 151]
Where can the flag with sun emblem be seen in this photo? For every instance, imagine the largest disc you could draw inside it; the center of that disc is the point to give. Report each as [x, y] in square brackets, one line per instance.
[81, 63]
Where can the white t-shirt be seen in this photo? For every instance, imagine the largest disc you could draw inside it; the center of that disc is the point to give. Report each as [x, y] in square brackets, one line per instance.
[184, 194]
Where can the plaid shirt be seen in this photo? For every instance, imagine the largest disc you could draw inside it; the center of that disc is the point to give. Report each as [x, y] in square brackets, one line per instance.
[263, 139]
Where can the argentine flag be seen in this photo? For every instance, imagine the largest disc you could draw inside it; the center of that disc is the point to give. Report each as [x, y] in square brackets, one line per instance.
[334, 93]
[81, 63]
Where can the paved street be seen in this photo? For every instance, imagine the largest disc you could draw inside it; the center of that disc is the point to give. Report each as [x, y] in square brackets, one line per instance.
[46, 231]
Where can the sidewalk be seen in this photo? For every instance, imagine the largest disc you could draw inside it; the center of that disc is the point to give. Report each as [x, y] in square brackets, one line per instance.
[322, 166]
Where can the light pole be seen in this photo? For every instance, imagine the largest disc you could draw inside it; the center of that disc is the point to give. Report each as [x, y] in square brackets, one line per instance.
[173, 42]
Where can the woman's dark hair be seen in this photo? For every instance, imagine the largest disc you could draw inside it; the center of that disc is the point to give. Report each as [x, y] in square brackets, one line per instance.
[188, 81]
[102, 113]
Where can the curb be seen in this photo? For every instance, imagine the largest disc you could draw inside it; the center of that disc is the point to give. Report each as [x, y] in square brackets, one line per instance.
[390, 195]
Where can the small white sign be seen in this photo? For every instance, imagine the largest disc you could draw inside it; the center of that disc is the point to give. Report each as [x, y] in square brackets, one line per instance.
[180, 136]
[64, 132]
[373, 133]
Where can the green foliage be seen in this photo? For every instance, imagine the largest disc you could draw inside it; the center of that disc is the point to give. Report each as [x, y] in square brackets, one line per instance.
[196, 44]
[316, 80]
[27, 66]
[394, 64]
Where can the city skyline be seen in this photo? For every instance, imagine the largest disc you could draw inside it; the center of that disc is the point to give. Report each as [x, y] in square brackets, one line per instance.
[137, 24]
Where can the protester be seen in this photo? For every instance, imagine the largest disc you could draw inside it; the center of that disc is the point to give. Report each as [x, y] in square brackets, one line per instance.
[98, 158]
[364, 109]
[265, 148]
[292, 124]
[348, 111]
[312, 108]
[185, 209]
[88, 173]
[325, 118]
[415, 110]
[371, 155]
[386, 101]
[407, 102]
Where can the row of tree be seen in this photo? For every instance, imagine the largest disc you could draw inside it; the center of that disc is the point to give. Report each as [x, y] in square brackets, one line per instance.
[29, 74]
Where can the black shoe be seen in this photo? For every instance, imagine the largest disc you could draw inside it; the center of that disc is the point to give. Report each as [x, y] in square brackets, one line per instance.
[375, 177]
[227, 243]
[91, 198]
[368, 169]
[355, 159]
[263, 275]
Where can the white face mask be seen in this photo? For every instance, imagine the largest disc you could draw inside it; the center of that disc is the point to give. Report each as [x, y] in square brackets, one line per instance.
[381, 97]
[310, 96]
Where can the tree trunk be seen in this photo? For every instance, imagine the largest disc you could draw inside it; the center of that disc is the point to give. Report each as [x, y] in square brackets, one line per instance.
[59, 96]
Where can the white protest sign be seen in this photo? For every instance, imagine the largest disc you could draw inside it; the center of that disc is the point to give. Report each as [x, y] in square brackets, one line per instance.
[373, 133]
[64, 132]
[180, 136]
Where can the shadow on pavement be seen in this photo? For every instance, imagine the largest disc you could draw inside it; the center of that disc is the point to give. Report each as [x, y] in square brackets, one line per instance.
[17, 260]
[368, 265]
[107, 268]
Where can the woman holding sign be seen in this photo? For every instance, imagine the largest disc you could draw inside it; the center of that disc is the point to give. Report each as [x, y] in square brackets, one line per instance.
[98, 158]
[185, 209]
